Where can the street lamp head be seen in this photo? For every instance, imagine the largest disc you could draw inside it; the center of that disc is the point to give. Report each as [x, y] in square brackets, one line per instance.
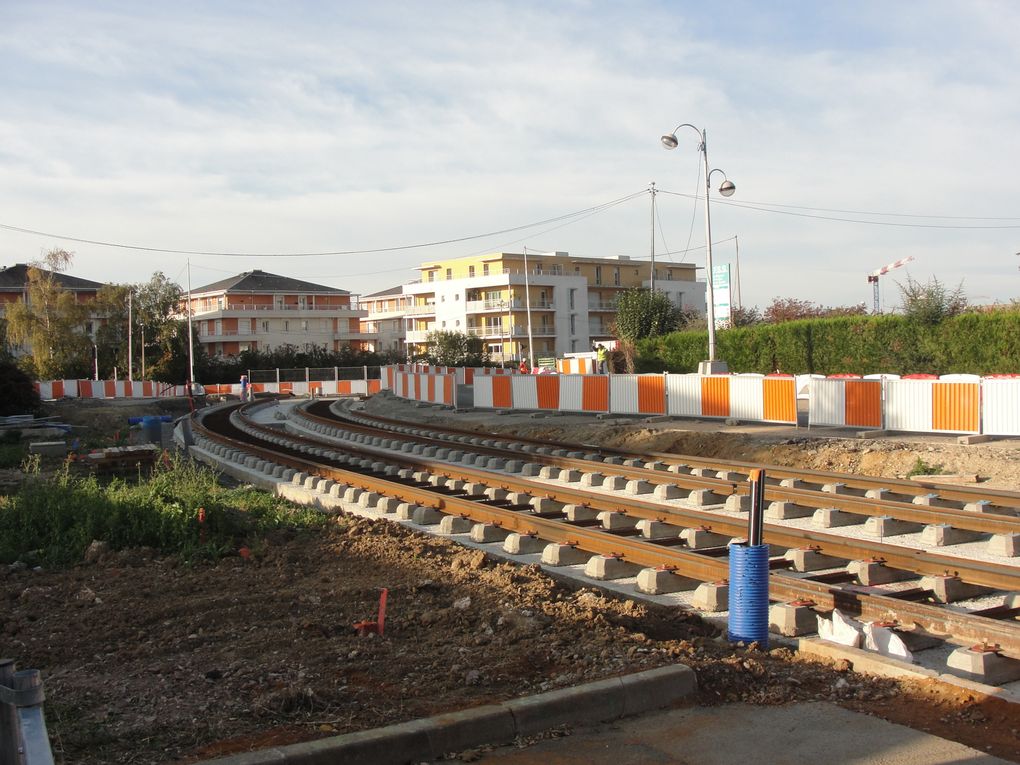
[669, 141]
[727, 188]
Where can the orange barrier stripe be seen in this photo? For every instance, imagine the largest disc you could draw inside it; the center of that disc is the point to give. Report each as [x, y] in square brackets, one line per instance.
[448, 390]
[780, 400]
[286, 387]
[501, 396]
[469, 376]
[430, 388]
[417, 387]
[651, 394]
[595, 393]
[109, 388]
[715, 396]
[955, 406]
[343, 387]
[58, 389]
[548, 391]
[863, 403]
[374, 386]
[85, 388]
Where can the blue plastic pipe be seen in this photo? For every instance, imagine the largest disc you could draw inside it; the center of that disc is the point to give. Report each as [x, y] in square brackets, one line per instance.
[749, 594]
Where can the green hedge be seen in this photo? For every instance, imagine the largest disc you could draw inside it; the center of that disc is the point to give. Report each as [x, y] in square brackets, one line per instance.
[979, 343]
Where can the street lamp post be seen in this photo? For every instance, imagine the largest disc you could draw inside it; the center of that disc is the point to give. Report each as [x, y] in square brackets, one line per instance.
[726, 189]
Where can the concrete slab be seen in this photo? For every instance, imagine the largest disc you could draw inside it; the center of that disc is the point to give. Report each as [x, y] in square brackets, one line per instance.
[722, 735]
[523, 544]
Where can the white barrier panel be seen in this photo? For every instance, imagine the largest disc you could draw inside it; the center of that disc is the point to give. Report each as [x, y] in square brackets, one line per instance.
[524, 391]
[747, 397]
[803, 383]
[827, 402]
[483, 392]
[623, 394]
[571, 393]
[1000, 407]
[683, 395]
[908, 405]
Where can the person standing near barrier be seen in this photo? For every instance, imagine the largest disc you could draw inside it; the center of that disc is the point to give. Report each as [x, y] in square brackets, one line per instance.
[600, 357]
[523, 368]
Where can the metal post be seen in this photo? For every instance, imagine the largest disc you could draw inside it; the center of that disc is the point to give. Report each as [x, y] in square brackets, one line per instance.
[736, 242]
[191, 338]
[527, 304]
[653, 235]
[8, 718]
[756, 516]
[31, 723]
[130, 364]
[708, 241]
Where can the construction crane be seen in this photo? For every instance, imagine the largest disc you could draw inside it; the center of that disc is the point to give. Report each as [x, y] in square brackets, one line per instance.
[873, 277]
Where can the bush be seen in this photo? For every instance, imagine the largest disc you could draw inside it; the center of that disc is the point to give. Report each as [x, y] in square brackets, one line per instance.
[55, 520]
[17, 393]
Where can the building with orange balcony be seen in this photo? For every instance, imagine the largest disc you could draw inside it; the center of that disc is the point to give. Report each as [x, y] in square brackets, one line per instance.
[385, 323]
[257, 310]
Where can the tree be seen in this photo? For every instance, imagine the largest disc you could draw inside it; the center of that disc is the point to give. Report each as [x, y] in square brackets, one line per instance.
[454, 349]
[793, 309]
[156, 306]
[111, 336]
[930, 304]
[745, 317]
[641, 313]
[51, 323]
[17, 393]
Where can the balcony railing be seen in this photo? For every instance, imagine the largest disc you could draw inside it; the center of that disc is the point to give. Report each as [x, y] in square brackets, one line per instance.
[610, 306]
[418, 310]
[212, 307]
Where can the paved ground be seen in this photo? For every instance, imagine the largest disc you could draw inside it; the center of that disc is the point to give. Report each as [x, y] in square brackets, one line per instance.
[798, 734]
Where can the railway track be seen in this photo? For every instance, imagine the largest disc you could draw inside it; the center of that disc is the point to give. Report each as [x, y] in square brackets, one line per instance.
[660, 521]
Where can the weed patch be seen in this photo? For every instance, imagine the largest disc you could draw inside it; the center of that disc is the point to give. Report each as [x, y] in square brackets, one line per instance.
[55, 520]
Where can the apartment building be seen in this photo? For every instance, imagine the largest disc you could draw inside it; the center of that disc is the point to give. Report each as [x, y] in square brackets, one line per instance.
[387, 311]
[571, 300]
[257, 310]
[14, 288]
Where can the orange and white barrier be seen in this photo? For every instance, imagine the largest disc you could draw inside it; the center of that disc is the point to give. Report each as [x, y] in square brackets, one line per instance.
[54, 389]
[583, 393]
[637, 394]
[743, 397]
[933, 406]
[846, 402]
[576, 366]
[302, 388]
[1000, 406]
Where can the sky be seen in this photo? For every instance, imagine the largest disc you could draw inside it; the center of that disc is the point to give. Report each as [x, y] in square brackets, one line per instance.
[857, 134]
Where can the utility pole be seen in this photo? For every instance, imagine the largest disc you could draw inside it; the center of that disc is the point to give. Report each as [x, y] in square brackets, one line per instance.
[191, 342]
[652, 189]
[736, 242]
[130, 354]
[527, 304]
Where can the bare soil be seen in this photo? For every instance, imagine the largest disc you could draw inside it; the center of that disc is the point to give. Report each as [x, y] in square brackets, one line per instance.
[146, 660]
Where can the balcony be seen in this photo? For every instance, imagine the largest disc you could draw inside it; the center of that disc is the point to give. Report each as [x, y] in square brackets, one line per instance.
[204, 308]
[419, 310]
[610, 306]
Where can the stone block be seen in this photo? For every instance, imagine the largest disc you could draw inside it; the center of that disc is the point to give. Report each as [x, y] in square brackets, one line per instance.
[679, 468]
[738, 503]
[668, 491]
[638, 487]
[652, 529]
[934, 500]
[455, 524]
[496, 494]
[337, 490]
[495, 463]
[352, 494]
[546, 505]
[612, 520]
[579, 513]
[519, 498]
[311, 481]
[387, 505]
[549, 471]
[513, 466]
[1005, 544]
[369, 499]
[806, 559]
[881, 526]
[792, 619]
[660, 581]
[592, 479]
[712, 596]
[698, 539]
[426, 516]
[299, 479]
[530, 469]
[782, 511]
[983, 666]
[486, 533]
[607, 567]
[792, 483]
[705, 498]
[942, 534]
[949, 589]
[873, 572]
[405, 511]
[523, 544]
[555, 554]
[830, 518]
[615, 483]
[570, 476]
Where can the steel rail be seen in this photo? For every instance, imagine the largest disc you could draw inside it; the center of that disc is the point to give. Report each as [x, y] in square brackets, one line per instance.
[1009, 499]
[960, 519]
[867, 605]
[907, 559]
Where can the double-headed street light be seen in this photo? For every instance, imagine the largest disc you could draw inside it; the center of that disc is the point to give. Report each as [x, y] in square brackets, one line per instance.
[726, 189]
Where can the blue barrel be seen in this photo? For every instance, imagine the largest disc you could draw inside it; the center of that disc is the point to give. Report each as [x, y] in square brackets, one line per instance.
[749, 594]
[152, 428]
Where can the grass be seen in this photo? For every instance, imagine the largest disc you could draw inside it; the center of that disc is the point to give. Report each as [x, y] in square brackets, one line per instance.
[54, 520]
[923, 468]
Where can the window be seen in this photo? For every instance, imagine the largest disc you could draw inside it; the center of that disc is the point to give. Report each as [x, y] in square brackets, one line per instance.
[471, 271]
[572, 296]
[265, 326]
[304, 326]
[577, 270]
[286, 326]
[444, 325]
[598, 274]
[573, 324]
[457, 323]
[432, 276]
[538, 268]
[485, 269]
[669, 274]
[616, 277]
[449, 274]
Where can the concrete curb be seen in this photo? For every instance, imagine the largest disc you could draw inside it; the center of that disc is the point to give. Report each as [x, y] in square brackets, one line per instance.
[496, 724]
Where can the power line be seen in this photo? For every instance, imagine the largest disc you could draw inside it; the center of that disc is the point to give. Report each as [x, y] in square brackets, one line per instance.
[396, 248]
[752, 206]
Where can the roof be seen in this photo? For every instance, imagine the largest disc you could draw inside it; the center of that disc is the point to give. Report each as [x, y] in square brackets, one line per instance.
[260, 281]
[16, 278]
[398, 290]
